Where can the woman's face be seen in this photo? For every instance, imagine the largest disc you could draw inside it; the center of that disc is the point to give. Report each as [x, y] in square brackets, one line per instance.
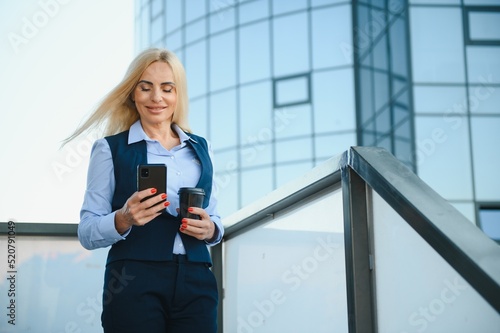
[155, 95]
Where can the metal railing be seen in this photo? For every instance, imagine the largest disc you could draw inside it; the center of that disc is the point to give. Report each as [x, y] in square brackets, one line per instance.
[361, 174]
[359, 171]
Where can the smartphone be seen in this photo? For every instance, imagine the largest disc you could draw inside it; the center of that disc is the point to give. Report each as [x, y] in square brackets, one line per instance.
[152, 175]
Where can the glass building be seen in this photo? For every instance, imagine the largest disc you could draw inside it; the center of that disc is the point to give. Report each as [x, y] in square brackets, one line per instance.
[280, 86]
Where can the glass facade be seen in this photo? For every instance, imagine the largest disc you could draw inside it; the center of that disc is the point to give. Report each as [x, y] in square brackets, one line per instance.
[455, 52]
[383, 78]
[281, 86]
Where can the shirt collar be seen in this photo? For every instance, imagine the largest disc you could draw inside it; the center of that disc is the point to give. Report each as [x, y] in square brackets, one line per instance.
[136, 134]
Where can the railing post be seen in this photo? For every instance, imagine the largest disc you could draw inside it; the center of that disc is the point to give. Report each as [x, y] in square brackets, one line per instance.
[360, 291]
[217, 258]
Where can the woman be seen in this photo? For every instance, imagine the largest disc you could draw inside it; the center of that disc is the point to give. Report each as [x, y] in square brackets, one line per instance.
[157, 276]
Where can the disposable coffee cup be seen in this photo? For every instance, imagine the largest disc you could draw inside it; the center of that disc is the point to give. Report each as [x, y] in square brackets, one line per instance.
[190, 197]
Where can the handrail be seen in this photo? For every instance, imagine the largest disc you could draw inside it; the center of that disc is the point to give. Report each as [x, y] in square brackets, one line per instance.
[318, 178]
[41, 229]
[468, 250]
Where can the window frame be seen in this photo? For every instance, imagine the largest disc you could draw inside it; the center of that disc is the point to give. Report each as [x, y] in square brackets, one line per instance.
[466, 24]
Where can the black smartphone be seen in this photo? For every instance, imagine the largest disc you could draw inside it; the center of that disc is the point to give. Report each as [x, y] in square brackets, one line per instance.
[152, 175]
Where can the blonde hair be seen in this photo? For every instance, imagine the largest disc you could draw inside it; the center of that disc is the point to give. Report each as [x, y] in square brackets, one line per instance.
[116, 113]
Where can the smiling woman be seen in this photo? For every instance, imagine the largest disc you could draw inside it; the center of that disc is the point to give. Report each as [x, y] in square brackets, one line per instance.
[55, 66]
[145, 118]
[155, 97]
[147, 89]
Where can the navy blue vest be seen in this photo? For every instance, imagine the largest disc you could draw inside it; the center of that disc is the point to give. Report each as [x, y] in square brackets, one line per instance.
[155, 240]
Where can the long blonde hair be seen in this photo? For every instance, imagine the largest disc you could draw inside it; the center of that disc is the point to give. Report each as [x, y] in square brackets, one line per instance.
[116, 113]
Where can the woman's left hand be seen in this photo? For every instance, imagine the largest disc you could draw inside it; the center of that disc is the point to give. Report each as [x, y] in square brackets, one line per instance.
[202, 229]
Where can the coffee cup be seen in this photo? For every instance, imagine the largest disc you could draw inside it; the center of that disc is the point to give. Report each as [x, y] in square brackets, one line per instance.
[190, 197]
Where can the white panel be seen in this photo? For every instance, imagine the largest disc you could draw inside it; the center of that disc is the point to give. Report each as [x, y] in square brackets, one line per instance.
[55, 285]
[417, 290]
[288, 274]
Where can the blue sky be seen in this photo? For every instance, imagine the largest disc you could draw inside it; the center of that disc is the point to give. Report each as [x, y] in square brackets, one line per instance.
[58, 58]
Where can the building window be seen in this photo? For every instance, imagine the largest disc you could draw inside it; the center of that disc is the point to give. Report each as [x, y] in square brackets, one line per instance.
[489, 222]
[292, 90]
[482, 25]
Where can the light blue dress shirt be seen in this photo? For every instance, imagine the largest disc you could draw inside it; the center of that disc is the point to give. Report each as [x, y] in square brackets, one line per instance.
[97, 220]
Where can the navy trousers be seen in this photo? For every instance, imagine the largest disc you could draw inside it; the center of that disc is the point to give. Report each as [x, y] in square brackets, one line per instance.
[159, 297]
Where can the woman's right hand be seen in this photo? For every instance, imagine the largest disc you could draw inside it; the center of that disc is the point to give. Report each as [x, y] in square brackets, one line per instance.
[138, 213]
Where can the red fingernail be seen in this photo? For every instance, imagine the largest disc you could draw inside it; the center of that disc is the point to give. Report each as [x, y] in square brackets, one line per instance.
[163, 196]
[166, 203]
[153, 190]
[184, 221]
[190, 209]
[183, 227]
